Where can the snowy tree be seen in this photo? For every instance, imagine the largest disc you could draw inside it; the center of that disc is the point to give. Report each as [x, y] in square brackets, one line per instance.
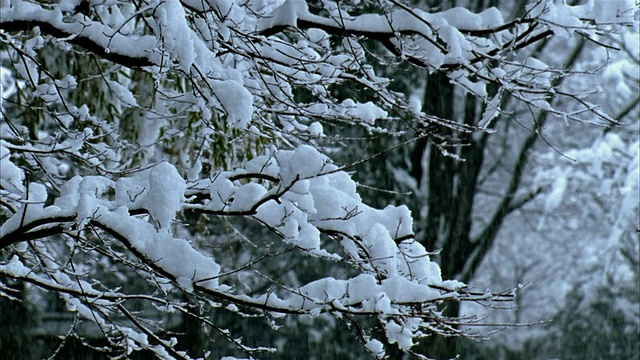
[485, 193]
[583, 223]
[584, 228]
[159, 157]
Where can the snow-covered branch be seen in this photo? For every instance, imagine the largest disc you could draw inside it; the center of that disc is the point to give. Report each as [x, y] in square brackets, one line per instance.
[171, 156]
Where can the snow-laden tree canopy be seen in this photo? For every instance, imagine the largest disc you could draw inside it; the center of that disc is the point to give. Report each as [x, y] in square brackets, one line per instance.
[125, 123]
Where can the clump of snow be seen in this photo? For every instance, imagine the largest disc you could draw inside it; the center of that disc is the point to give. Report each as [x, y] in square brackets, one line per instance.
[367, 112]
[403, 290]
[492, 111]
[463, 18]
[554, 198]
[287, 14]
[165, 194]
[401, 334]
[176, 33]
[245, 196]
[37, 194]
[416, 264]
[415, 105]
[14, 267]
[302, 163]
[375, 347]
[90, 190]
[477, 88]
[8, 86]
[11, 175]
[315, 129]
[561, 18]
[382, 249]
[28, 70]
[176, 256]
[236, 100]
[122, 93]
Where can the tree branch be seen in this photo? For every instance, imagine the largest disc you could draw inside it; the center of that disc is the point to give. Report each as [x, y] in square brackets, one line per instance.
[76, 39]
[485, 239]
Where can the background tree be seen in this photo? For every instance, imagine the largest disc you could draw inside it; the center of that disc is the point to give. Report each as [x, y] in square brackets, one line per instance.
[492, 183]
[579, 227]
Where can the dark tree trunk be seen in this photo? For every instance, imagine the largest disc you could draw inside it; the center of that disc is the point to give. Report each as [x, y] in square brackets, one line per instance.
[15, 323]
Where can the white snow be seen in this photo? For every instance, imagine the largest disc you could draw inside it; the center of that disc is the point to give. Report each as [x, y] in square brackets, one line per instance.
[175, 32]
[375, 347]
[122, 93]
[209, 68]
[367, 112]
[554, 198]
[165, 194]
[236, 100]
[11, 175]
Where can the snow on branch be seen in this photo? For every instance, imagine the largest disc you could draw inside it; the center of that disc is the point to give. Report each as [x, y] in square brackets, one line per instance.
[168, 156]
[300, 205]
[472, 48]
